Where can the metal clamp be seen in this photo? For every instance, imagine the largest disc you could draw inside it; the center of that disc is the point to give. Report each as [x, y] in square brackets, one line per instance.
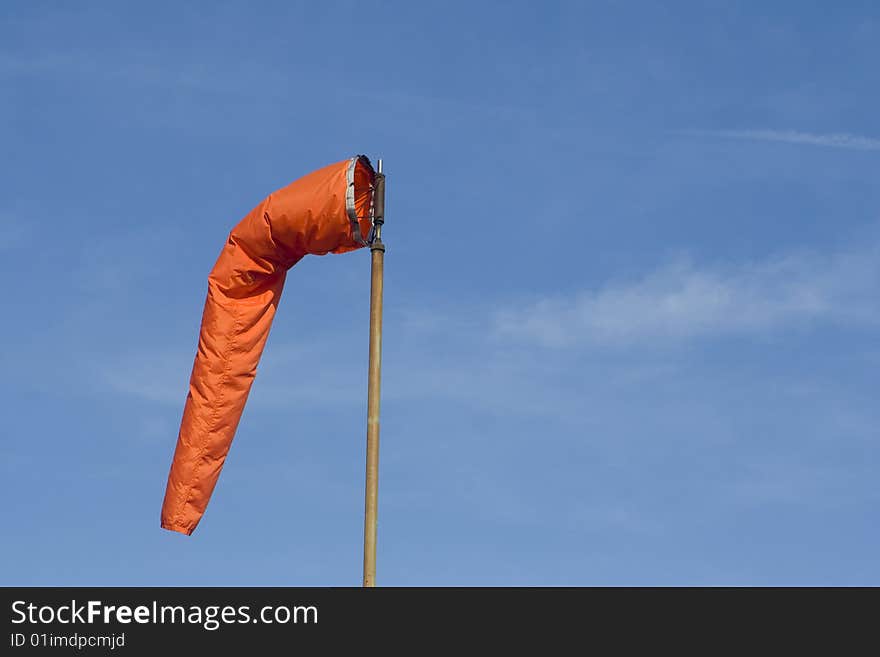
[377, 215]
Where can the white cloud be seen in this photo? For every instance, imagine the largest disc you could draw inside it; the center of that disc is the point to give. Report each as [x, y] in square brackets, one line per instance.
[681, 301]
[832, 140]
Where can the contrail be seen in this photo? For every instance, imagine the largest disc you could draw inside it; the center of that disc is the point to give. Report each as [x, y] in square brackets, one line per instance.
[833, 140]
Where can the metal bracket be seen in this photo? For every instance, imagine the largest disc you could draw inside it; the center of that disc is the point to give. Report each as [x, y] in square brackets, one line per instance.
[377, 212]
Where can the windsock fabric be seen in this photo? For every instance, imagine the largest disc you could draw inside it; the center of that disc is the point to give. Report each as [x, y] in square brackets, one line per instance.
[327, 211]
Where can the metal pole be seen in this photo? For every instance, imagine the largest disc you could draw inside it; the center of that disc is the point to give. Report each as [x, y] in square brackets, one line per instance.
[377, 253]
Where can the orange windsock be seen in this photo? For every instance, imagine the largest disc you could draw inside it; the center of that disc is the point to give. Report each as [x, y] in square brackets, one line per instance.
[327, 211]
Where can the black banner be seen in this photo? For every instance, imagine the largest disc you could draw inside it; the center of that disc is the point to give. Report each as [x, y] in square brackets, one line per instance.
[199, 620]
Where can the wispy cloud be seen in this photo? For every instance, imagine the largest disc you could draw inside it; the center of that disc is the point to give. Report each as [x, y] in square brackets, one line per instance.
[469, 364]
[830, 140]
[681, 300]
[155, 375]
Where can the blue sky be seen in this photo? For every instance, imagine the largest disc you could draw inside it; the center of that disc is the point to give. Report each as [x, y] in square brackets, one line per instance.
[632, 290]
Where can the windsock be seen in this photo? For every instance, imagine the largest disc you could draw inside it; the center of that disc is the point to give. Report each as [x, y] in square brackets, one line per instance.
[327, 211]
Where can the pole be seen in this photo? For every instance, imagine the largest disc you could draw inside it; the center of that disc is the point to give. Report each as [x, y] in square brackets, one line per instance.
[377, 254]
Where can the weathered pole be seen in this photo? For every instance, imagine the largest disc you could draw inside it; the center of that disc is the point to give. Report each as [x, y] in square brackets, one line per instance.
[377, 253]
